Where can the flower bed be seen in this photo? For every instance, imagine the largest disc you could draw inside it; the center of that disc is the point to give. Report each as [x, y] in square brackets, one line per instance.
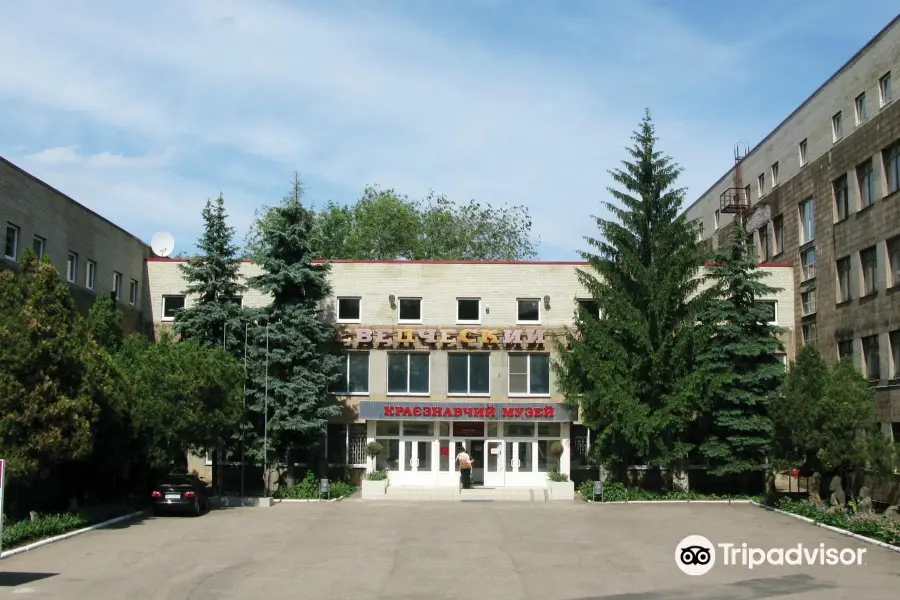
[617, 492]
[871, 526]
[308, 489]
[27, 531]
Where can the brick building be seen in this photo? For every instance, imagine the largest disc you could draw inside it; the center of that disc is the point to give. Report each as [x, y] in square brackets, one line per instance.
[824, 191]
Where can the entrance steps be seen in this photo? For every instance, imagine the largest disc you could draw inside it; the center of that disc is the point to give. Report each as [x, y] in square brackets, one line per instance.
[477, 494]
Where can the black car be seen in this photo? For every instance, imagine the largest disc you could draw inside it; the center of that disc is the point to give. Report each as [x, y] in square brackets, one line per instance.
[180, 494]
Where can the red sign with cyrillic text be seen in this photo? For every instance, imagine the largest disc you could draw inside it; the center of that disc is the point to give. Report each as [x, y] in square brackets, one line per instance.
[479, 411]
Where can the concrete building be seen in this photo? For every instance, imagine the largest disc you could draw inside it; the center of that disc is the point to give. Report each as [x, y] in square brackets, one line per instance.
[824, 193]
[92, 254]
[442, 355]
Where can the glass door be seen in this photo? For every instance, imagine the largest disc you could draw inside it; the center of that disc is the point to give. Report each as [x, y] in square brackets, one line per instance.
[418, 456]
[494, 463]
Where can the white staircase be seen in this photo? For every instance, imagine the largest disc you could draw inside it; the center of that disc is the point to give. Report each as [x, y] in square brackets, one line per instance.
[478, 494]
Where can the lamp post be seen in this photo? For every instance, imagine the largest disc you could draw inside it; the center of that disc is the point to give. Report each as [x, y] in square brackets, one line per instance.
[266, 419]
[244, 409]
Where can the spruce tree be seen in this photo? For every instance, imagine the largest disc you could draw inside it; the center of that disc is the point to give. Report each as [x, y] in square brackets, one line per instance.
[292, 343]
[740, 365]
[630, 371]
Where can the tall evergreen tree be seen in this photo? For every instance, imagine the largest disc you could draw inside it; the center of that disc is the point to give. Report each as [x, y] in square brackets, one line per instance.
[213, 316]
[741, 370]
[290, 363]
[630, 371]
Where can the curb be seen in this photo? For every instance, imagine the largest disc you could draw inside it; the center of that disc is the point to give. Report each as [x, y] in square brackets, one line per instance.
[303, 500]
[844, 532]
[71, 534]
[674, 502]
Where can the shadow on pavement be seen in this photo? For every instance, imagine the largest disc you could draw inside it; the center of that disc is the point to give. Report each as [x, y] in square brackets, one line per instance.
[749, 589]
[14, 578]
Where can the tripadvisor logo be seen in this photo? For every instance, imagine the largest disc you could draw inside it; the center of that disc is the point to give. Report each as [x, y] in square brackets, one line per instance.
[696, 555]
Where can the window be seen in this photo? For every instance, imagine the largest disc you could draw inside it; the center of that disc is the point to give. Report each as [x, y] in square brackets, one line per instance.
[771, 310]
[893, 252]
[810, 334]
[868, 261]
[808, 263]
[843, 277]
[354, 374]
[589, 306]
[91, 274]
[894, 338]
[469, 374]
[841, 197]
[845, 349]
[891, 157]
[837, 127]
[801, 149]
[38, 245]
[117, 285]
[348, 310]
[871, 357]
[409, 310]
[761, 184]
[468, 310]
[529, 310]
[71, 267]
[866, 178]
[862, 112]
[774, 174]
[11, 249]
[765, 247]
[171, 305]
[716, 217]
[237, 301]
[808, 302]
[409, 373]
[132, 292]
[778, 234]
[807, 221]
[884, 88]
[529, 374]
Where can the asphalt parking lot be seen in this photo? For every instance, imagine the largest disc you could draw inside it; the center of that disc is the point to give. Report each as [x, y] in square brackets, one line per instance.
[378, 550]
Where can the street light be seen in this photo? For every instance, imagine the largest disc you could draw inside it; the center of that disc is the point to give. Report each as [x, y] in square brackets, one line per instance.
[244, 409]
[266, 419]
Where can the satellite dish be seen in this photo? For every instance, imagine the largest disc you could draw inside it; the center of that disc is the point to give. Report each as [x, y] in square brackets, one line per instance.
[162, 244]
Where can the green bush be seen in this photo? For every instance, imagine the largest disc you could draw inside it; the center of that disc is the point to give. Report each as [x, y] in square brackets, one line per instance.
[618, 492]
[308, 489]
[557, 476]
[586, 490]
[379, 475]
[342, 489]
[875, 527]
[45, 526]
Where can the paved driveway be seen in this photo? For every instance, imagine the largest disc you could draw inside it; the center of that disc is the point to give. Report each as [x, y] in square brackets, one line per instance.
[367, 550]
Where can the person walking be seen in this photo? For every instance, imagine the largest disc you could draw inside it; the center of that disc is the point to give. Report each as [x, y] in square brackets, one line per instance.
[465, 468]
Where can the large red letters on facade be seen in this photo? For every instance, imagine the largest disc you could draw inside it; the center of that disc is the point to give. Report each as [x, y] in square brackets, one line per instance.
[486, 411]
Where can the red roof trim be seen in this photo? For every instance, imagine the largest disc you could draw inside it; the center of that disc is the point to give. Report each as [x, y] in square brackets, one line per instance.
[762, 264]
[417, 262]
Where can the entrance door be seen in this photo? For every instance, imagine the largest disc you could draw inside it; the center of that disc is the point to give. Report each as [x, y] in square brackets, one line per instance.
[418, 462]
[494, 472]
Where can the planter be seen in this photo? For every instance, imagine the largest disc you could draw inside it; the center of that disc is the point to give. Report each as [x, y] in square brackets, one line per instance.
[561, 490]
[373, 490]
[239, 502]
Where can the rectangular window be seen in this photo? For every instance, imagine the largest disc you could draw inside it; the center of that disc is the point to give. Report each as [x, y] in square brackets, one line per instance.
[38, 245]
[354, 374]
[778, 234]
[841, 197]
[91, 274]
[348, 310]
[884, 88]
[871, 356]
[11, 247]
[589, 306]
[761, 184]
[868, 261]
[469, 374]
[71, 267]
[409, 310]
[132, 292]
[117, 285]
[529, 374]
[808, 302]
[843, 277]
[774, 174]
[765, 247]
[716, 216]
[862, 111]
[837, 127]
[801, 150]
[468, 310]
[891, 158]
[771, 312]
[893, 252]
[808, 263]
[865, 175]
[845, 349]
[409, 373]
[529, 310]
[807, 221]
[894, 338]
[171, 305]
[810, 334]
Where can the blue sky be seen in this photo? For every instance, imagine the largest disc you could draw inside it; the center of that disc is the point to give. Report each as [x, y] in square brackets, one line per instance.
[142, 111]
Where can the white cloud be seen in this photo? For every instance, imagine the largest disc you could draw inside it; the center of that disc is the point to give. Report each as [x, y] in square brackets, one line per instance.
[67, 155]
